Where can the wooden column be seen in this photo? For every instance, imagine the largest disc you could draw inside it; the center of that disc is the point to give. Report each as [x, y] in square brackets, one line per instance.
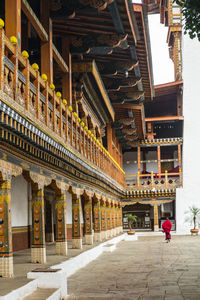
[61, 230]
[46, 47]
[38, 248]
[97, 221]
[109, 138]
[159, 158]
[116, 219]
[179, 156]
[67, 77]
[2, 51]
[6, 254]
[112, 220]
[76, 222]
[120, 219]
[108, 219]
[103, 220]
[179, 103]
[139, 158]
[155, 210]
[88, 221]
[121, 157]
[13, 19]
[144, 159]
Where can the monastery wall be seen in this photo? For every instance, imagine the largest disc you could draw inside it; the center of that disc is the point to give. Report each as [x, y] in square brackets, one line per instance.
[189, 194]
[20, 217]
[69, 208]
[69, 216]
[19, 201]
[131, 168]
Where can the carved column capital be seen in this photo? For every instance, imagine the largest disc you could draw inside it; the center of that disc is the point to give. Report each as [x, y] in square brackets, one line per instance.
[8, 170]
[62, 185]
[40, 180]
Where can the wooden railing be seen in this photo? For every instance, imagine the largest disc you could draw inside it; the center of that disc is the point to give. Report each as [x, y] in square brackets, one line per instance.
[151, 181]
[23, 86]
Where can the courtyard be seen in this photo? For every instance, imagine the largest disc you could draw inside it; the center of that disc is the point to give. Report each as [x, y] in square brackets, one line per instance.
[145, 269]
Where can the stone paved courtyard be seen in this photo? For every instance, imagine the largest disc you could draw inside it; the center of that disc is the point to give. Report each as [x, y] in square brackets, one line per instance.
[145, 269]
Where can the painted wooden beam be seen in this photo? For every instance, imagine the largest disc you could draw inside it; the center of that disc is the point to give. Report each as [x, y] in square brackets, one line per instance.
[117, 98]
[46, 47]
[164, 118]
[60, 61]
[34, 21]
[115, 84]
[84, 44]
[68, 8]
[106, 68]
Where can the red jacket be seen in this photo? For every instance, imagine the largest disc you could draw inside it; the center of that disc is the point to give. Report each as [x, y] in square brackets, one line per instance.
[166, 226]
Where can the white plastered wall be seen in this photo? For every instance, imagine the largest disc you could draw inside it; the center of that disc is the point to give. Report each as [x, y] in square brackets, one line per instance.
[131, 168]
[152, 166]
[69, 208]
[189, 194]
[19, 201]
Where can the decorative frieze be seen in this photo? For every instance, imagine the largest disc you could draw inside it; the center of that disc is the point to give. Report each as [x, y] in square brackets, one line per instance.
[22, 135]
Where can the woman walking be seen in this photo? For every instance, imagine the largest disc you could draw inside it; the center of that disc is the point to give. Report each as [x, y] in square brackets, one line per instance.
[166, 226]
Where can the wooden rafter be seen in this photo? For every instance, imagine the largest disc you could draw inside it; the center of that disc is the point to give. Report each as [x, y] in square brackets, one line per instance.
[34, 21]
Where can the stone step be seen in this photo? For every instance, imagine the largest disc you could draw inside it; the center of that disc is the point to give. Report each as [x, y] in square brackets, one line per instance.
[41, 294]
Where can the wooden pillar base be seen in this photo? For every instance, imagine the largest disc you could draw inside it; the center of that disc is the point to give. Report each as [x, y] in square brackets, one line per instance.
[49, 237]
[97, 237]
[114, 231]
[6, 266]
[77, 244]
[38, 255]
[108, 233]
[103, 235]
[61, 248]
[156, 228]
[88, 239]
[117, 230]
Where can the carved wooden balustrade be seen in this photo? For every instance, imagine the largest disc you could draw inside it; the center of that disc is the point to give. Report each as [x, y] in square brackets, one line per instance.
[153, 181]
[23, 88]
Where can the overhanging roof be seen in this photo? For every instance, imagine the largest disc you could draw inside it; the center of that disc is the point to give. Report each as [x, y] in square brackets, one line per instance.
[91, 67]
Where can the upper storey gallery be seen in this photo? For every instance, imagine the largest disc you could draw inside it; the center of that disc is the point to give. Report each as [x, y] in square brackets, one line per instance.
[79, 72]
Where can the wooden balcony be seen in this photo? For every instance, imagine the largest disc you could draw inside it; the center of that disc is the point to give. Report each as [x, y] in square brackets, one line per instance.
[153, 182]
[22, 88]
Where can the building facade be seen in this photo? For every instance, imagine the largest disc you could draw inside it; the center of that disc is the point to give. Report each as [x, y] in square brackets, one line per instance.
[184, 52]
[74, 79]
[153, 166]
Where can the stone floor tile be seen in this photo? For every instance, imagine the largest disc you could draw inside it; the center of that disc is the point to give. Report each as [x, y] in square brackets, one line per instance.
[144, 270]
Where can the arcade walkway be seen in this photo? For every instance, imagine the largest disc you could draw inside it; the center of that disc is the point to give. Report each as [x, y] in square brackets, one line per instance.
[144, 269]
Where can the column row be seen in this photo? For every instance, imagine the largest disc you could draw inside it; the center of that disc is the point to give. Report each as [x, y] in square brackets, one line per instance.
[102, 219]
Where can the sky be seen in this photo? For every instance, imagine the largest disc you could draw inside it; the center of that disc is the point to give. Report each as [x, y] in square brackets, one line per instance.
[163, 69]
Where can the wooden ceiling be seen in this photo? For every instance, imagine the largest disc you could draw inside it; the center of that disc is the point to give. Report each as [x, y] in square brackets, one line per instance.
[168, 88]
[114, 33]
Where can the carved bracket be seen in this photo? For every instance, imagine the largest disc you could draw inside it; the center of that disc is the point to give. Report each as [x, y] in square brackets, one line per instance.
[40, 180]
[8, 170]
[84, 44]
